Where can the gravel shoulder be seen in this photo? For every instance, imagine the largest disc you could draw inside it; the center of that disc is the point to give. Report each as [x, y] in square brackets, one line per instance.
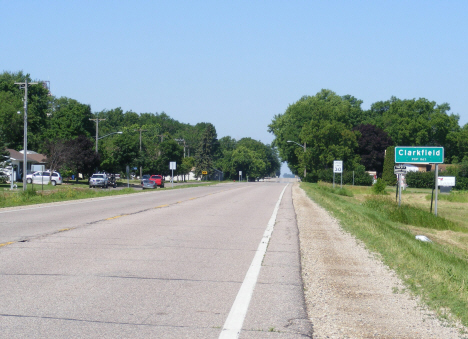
[349, 292]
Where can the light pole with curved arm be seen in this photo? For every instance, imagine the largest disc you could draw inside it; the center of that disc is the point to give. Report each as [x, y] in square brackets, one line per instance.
[304, 147]
[104, 137]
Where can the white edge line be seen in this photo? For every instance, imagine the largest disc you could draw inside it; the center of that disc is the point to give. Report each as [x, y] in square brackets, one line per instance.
[233, 324]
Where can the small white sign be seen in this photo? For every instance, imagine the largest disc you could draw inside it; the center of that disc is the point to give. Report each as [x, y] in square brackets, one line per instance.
[446, 181]
[172, 165]
[240, 172]
[338, 166]
[399, 169]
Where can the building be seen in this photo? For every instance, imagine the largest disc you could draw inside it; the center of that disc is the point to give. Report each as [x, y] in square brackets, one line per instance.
[17, 159]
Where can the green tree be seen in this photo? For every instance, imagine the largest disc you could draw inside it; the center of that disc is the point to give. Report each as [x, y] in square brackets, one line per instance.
[207, 148]
[186, 167]
[328, 140]
[389, 163]
[247, 161]
[169, 151]
[68, 119]
[414, 122]
[11, 97]
[118, 151]
[302, 122]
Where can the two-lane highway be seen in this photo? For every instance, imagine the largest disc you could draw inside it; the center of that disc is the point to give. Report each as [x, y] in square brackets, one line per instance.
[164, 264]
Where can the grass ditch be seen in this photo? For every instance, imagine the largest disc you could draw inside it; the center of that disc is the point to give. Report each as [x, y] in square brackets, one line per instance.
[437, 271]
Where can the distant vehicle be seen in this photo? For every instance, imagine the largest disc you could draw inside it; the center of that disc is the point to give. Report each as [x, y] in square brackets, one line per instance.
[112, 181]
[117, 176]
[158, 179]
[98, 179]
[145, 176]
[146, 183]
[41, 177]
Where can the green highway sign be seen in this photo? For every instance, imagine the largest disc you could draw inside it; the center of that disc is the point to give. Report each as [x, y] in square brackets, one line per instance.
[419, 155]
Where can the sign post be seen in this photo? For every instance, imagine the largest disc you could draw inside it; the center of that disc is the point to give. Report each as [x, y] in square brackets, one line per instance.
[172, 167]
[240, 175]
[338, 168]
[422, 155]
[399, 170]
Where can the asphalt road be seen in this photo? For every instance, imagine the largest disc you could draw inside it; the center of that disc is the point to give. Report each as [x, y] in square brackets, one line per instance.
[161, 264]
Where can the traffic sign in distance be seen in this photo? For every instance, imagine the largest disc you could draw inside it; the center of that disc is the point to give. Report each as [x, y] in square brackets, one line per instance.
[204, 172]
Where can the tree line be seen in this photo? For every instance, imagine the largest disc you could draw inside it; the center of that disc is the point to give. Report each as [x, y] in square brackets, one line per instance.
[65, 130]
[334, 127]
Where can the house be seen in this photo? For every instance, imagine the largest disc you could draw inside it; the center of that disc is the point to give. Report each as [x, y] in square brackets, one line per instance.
[32, 158]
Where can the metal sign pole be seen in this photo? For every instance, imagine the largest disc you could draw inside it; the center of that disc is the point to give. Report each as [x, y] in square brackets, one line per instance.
[399, 190]
[436, 186]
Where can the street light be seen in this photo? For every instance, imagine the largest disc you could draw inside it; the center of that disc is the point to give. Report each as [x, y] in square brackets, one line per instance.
[304, 147]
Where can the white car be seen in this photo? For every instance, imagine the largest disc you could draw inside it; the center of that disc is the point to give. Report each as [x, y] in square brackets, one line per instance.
[40, 177]
[98, 179]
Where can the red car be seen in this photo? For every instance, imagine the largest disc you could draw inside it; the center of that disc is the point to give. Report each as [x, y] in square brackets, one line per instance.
[158, 180]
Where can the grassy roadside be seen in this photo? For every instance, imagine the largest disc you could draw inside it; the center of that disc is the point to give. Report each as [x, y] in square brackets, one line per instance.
[437, 271]
[39, 194]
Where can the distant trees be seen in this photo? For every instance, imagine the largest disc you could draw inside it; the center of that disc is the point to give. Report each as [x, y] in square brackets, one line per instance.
[336, 128]
[255, 159]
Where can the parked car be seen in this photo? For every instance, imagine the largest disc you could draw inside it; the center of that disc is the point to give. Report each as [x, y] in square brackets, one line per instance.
[112, 181]
[41, 177]
[158, 179]
[146, 183]
[145, 176]
[98, 179]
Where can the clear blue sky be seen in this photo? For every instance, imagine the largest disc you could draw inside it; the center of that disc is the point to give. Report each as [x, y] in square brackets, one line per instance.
[238, 63]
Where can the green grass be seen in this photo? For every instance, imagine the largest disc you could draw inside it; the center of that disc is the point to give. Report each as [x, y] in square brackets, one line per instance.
[436, 272]
[454, 196]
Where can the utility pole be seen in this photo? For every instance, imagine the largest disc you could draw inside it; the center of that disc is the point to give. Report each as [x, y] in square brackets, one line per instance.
[179, 141]
[25, 146]
[162, 138]
[305, 170]
[141, 130]
[97, 130]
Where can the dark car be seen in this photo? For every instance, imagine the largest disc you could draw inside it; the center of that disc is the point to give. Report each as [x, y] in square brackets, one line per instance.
[148, 184]
[158, 179]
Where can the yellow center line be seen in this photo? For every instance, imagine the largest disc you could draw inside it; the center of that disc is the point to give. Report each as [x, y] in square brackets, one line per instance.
[7, 243]
[118, 216]
[161, 206]
[65, 229]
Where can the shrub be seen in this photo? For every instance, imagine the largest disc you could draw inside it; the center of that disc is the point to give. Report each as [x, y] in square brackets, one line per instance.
[420, 179]
[379, 187]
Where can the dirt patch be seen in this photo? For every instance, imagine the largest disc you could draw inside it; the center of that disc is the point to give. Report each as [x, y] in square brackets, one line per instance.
[349, 292]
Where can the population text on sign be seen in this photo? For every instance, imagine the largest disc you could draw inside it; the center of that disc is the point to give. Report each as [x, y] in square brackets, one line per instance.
[419, 155]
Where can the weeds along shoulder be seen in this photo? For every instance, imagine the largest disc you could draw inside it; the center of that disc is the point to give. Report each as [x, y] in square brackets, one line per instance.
[335, 190]
[411, 215]
[430, 270]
